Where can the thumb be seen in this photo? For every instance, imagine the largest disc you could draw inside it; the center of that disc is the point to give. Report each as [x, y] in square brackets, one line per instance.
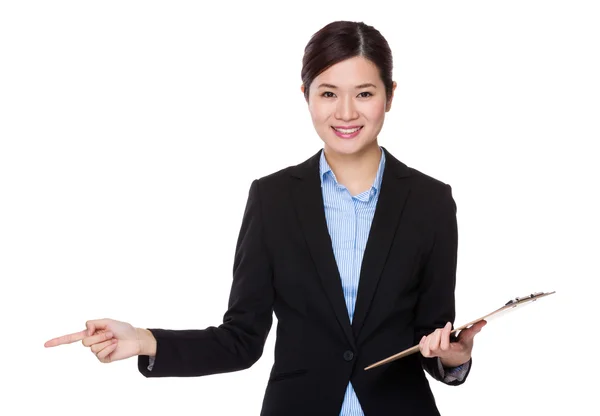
[467, 335]
[96, 324]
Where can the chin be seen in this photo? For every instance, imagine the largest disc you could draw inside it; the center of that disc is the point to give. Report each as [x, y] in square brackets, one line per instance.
[347, 147]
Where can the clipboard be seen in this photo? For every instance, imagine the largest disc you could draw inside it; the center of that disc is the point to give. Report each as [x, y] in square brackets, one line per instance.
[509, 306]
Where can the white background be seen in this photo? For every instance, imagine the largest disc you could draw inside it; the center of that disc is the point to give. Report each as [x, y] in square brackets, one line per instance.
[131, 132]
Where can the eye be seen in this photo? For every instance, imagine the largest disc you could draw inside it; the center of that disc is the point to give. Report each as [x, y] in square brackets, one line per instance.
[365, 96]
[328, 94]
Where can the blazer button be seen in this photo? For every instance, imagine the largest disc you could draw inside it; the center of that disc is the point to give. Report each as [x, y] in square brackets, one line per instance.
[348, 355]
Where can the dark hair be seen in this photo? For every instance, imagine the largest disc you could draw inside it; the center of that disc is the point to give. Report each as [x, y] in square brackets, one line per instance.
[341, 40]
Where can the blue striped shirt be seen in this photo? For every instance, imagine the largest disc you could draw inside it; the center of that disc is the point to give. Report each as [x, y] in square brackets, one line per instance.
[349, 221]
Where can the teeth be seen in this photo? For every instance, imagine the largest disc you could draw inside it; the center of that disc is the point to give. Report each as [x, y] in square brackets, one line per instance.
[347, 131]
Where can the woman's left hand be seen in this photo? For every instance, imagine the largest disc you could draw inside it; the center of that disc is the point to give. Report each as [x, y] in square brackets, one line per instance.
[452, 354]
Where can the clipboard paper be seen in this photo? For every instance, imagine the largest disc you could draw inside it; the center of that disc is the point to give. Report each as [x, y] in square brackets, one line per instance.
[509, 306]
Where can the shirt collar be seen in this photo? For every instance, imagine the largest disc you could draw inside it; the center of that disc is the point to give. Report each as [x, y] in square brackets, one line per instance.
[324, 168]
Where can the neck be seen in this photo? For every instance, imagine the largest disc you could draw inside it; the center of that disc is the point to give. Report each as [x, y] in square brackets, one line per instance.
[356, 170]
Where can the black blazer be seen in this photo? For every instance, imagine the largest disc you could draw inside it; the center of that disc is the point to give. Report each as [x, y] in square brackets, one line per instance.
[284, 262]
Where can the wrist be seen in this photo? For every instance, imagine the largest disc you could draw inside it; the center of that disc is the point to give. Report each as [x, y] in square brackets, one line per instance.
[454, 362]
[147, 342]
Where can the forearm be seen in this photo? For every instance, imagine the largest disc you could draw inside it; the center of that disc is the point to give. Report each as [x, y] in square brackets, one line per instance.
[194, 352]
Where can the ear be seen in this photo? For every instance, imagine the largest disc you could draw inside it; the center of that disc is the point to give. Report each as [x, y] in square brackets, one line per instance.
[388, 104]
[303, 89]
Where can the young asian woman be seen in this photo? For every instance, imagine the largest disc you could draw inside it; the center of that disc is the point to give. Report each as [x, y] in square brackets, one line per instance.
[354, 251]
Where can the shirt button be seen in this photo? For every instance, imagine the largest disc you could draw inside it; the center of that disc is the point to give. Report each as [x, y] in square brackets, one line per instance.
[348, 355]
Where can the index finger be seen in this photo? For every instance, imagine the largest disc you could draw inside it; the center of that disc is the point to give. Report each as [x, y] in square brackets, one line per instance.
[66, 339]
[445, 342]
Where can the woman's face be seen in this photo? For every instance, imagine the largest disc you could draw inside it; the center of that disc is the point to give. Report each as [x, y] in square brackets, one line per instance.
[347, 103]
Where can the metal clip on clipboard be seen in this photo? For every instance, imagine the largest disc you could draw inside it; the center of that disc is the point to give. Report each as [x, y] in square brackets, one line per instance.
[533, 296]
[510, 305]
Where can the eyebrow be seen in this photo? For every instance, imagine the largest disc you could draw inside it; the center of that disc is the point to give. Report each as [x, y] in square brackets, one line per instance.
[366, 85]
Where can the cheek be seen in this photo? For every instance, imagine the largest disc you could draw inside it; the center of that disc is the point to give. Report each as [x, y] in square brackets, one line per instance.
[376, 113]
[319, 114]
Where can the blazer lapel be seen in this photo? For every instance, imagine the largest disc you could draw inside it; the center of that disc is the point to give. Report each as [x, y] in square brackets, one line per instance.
[308, 202]
[393, 194]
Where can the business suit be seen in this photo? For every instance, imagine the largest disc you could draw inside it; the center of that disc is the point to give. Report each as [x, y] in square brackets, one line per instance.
[284, 262]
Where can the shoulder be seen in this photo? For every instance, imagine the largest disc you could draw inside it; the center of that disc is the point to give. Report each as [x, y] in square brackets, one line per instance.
[431, 194]
[282, 178]
[426, 187]
[275, 183]
[427, 184]
[426, 181]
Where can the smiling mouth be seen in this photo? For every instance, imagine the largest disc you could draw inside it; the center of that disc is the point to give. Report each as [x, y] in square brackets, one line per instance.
[347, 131]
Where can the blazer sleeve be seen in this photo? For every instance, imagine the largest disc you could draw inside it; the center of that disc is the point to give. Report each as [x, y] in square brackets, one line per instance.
[435, 305]
[238, 342]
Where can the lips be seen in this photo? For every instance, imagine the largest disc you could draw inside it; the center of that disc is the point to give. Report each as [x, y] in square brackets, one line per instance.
[347, 132]
[346, 129]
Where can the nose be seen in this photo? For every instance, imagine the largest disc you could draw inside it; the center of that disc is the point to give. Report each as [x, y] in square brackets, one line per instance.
[345, 109]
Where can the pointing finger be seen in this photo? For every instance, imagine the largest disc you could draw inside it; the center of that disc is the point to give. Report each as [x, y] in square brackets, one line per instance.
[66, 339]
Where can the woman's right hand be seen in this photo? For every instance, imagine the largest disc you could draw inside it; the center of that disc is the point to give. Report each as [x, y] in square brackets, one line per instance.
[109, 340]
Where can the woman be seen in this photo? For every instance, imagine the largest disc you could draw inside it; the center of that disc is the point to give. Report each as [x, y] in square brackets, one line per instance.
[354, 251]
